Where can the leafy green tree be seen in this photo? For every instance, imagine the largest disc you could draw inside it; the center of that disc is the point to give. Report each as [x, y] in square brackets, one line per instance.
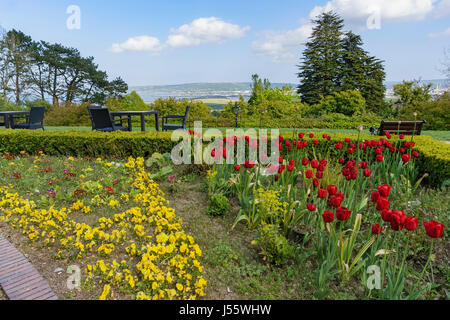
[349, 103]
[373, 89]
[320, 66]
[412, 93]
[18, 47]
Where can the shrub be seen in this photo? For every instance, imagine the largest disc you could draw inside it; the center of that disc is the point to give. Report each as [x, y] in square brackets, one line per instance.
[218, 205]
[348, 103]
[435, 112]
[68, 114]
[275, 248]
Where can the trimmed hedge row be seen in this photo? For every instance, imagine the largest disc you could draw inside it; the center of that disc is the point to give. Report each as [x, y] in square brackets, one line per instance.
[434, 156]
[88, 144]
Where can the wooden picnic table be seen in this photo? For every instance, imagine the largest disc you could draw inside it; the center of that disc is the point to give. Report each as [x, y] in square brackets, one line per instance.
[8, 117]
[141, 114]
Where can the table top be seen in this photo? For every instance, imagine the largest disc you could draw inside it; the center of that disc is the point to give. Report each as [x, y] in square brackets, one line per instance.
[134, 112]
[13, 112]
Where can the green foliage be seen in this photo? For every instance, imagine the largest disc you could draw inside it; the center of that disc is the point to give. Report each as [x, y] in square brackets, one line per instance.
[218, 205]
[172, 106]
[435, 112]
[131, 101]
[349, 103]
[159, 165]
[89, 144]
[275, 248]
[334, 61]
[68, 114]
[411, 93]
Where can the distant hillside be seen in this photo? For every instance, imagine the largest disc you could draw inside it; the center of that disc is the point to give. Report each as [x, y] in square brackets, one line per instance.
[226, 90]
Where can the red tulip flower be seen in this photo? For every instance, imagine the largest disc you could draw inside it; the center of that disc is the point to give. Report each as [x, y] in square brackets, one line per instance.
[384, 190]
[367, 173]
[328, 216]
[322, 193]
[332, 190]
[434, 229]
[411, 223]
[237, 167]
[379, 157]
[398, 219]
[406, 157]
[343, 214]
[309, 174]
[305, 161]
[382, 203]
[377, 229]
[311, 207]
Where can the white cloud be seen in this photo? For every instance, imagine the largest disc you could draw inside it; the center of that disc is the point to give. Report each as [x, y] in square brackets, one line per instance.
[357, 11]
[139, 43]
[444, 33]
[279, 45]
[203, 31]
[442, 9]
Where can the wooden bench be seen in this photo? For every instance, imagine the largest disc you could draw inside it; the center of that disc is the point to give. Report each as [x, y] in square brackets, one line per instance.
[407, 128]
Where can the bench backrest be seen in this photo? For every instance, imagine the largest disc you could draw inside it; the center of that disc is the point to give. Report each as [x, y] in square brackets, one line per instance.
[401, 127]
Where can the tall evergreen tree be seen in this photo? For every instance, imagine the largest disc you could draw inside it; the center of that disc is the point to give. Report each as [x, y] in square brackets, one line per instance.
[335, 61]
[319, 70]
[361, 72]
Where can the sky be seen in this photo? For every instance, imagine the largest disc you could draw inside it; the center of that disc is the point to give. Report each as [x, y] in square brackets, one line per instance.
[159, 42]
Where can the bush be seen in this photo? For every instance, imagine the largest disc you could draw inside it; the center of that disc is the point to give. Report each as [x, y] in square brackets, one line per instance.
[348, 103]
[275, 248]
[218, 205]
[68, 114]
[435, 112]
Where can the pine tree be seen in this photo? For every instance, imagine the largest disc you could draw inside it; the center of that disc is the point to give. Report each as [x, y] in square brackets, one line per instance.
[319, 71]
[361, 72]
[373, 89]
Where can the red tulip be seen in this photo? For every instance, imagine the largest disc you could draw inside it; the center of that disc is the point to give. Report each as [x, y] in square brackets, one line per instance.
[342, 213]
[384, 190]
[328, 216]
[332, 190]
[382, 203]
[375, 196]
[237, 167]
[314, 164]
[411, 223]
[367, 173]
[316, 183]
[336, 201]
[311, 207]
[398, 219]
[434, 229]
[377, 229]
[406, 157]
[386, 215]
[415, 154]
[309, 173]
[322, 193]
[379, 157]
[305, 161]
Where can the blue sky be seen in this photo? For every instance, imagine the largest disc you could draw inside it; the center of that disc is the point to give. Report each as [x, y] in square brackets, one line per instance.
[174, 41]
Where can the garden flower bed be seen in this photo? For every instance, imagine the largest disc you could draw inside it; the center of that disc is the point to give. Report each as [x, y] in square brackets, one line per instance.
[109, 219]
[322, 223]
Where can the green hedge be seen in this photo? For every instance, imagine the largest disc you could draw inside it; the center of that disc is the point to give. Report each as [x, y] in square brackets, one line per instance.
[434, 156]
[89, 144]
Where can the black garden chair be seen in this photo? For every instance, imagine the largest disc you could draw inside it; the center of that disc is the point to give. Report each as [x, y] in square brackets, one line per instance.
[171, 126]
[35, 120]
[90, 114]
[102, 121]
